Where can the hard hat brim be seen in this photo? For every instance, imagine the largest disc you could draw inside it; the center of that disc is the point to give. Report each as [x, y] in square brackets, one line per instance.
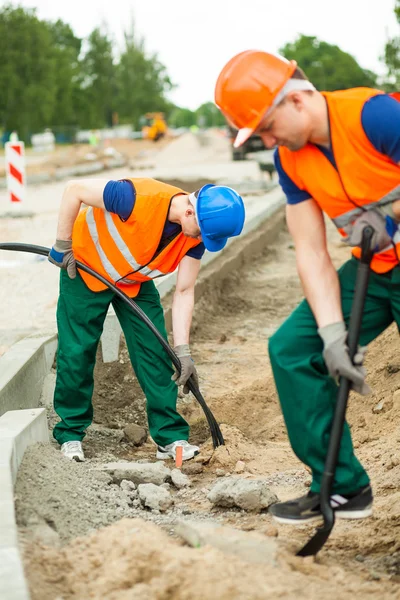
[214, 245]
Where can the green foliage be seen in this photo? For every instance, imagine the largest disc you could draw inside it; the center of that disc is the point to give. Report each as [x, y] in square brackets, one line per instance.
[326, 65]
[142, 81]
[182, 117]
[51, 78]
[392, 57]
[27, 70]
[208, 115]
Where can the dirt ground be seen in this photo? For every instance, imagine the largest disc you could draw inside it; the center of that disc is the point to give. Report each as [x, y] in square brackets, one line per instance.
[140, 556]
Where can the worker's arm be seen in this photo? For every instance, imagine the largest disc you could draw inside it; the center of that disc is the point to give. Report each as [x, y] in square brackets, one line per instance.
[183, 301]
[182, 311]
[87, 191]
[322, 290]
[317, 273]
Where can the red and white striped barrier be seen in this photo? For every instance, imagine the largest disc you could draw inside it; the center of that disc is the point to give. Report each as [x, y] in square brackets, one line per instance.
[15, 169]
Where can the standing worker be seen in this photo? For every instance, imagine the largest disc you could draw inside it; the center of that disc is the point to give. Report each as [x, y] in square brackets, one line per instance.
[338, 153]
[131, 232]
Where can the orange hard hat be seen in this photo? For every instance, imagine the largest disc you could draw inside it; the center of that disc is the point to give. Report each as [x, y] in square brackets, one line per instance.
[247, 87]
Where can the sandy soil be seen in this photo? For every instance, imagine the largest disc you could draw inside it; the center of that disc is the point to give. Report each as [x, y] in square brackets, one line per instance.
[136, 559]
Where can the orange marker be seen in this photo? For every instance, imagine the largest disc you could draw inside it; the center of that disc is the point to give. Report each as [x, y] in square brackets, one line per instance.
[178, 457]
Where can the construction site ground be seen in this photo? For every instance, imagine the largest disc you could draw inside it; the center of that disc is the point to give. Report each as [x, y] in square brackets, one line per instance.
[81, 539]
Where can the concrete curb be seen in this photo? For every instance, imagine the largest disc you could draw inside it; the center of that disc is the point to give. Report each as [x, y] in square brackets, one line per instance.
[18, 430]
[23, 369]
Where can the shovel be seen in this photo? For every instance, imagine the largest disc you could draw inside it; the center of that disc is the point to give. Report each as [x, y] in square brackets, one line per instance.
[314, 545]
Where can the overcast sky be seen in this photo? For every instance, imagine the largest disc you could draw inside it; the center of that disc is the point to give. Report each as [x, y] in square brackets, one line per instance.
[194, 39]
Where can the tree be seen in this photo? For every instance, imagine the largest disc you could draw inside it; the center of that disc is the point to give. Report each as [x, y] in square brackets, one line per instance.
[98, 83]
[142, 80]
[326, 65]
[66, 50]
[208, 115]
[182, 117]
[392, 57]
[27, 71]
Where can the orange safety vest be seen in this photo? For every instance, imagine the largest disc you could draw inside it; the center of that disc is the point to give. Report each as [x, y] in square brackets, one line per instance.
[363, 176]
[125, 252]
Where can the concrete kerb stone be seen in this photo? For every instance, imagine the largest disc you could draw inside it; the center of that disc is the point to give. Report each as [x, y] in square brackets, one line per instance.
[18, 429]
[23, 369]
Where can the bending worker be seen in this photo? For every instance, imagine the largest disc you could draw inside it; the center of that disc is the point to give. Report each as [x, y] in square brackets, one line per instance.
[131, 232]
[338, 153]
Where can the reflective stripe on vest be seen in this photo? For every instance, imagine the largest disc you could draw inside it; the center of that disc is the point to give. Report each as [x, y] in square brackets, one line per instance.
[348, 217]
[122, 247]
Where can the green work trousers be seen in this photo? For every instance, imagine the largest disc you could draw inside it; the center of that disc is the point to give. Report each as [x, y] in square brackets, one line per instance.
[307, 393]
[80, 319]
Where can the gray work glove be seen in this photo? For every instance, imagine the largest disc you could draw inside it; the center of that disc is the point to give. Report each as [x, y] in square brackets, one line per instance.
[379, 222]
[187, 367]
[337, 358]
[62, 256]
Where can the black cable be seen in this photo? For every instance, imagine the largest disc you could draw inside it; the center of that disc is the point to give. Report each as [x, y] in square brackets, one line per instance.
[216, 433]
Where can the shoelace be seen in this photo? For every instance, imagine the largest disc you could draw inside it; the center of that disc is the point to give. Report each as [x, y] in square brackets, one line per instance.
[74, 446]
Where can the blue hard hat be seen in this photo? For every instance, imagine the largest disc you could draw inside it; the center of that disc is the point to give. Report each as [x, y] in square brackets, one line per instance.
[220, 214]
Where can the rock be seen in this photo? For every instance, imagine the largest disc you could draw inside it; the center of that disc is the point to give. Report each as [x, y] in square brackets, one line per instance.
[156, 473]
[155, 497]
[270, 531]
[396, 399]
[383, 406]
[129, 489]
[240, 467]
[179, 479]
[220, 472]
[248, 494]
[361, 421]
[249, 547]
[135, 435]
[192, 469]
[363, 437]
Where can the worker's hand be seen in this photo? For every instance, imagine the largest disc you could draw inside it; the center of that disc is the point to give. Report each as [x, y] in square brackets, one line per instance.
[382, 225]
[337, 358]
[187, 367]
[62, 256]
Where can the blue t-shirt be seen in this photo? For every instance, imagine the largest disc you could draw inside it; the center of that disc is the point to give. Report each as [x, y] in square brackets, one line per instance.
[119, 198]
[380, 118]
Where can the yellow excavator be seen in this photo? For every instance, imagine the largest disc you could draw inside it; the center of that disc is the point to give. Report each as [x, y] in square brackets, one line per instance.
[155, 127]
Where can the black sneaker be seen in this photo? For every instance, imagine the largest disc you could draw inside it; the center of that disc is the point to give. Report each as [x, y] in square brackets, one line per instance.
[357, 505]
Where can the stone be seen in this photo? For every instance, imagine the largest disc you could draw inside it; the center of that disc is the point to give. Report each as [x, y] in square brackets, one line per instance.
[240, 466]
[192, 469]
[135, 434]
[247, 494]
[179, 479]
[220, 473]
[249, 547]
[156, 473]
[270, 531]
[155, 497]
[396, 399]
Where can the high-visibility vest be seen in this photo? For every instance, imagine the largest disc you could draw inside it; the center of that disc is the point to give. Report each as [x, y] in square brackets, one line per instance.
[363, 175]
[127, 252]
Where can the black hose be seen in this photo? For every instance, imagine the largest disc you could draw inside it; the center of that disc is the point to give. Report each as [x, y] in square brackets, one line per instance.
[216, 434]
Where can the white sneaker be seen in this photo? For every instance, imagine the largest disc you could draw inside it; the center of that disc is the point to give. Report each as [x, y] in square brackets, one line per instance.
[73, 451]
[169, 451]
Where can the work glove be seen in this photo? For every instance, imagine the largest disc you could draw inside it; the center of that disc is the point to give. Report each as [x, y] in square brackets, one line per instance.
[383, 225]
[337, 358]
[62, 256]
[187, 367]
